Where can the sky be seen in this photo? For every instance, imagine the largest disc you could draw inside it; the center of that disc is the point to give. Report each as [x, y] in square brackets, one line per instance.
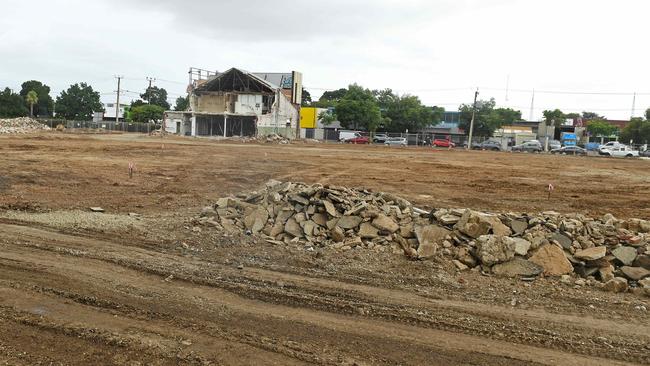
[576, 54]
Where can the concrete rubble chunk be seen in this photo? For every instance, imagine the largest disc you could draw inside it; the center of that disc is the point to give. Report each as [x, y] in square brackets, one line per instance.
[330, 209]
[493, 249]
[625, 255]
[337, 234]
[563, 240]
[635, 273]
[616, 284]
[385, 223]
[521, 246]
[552, 259]
[591, 254]
[367, 231]
[517, 267]
[642, 261]
[349, 222]
[429, 239]
[518, 226]
[293, 228]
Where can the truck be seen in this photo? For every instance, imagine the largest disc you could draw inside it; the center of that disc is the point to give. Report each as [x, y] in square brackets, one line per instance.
[569, 139]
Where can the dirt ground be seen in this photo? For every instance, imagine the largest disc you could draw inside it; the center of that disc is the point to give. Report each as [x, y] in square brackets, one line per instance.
[141, 285]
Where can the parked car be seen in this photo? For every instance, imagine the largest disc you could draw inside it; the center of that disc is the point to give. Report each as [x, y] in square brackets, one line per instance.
[570, 150]
[529, 146]
[380, 138]
[443, 143]
[602, 150]
[621, 151]
[358, 140]
[554, 144]
[645, 153]
[396, 141]
[487, 145]
[346, 135]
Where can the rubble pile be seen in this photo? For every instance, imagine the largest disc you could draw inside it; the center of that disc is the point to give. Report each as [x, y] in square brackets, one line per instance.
[21, 125]
[268, 139]
[611, 253]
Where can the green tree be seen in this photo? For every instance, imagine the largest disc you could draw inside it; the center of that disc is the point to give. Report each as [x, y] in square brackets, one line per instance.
[647, 114]
[554, 117]
[45, 104]
[358, 109]
[327, 117]
[78, 102]
[572, 115]
[638, 130]
[600, 128]
[487, 119]
[137, 103]
[330, 98]
[12, 104]
[404, 112]
[147, 113]
[31, 99]
[306, 98]
[156, 96]
[182, 104]
[592, 116]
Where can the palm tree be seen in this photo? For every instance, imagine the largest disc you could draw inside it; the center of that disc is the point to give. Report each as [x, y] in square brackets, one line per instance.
[31, 98]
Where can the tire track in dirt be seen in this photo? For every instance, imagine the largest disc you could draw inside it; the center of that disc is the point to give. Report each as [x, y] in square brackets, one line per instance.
[303, 299]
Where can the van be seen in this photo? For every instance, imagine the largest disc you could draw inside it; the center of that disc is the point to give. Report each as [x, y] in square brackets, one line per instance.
[346, 135]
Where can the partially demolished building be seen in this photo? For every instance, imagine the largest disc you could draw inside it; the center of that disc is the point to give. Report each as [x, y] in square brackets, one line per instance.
[240, 103]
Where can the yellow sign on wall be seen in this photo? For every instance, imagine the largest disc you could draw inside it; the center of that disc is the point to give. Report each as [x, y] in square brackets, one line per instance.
[308, 117]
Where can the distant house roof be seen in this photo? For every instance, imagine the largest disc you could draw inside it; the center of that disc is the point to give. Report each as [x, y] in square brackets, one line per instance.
[279, 79]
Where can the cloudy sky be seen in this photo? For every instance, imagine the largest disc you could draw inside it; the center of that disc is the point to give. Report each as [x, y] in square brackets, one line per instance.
[578, 55]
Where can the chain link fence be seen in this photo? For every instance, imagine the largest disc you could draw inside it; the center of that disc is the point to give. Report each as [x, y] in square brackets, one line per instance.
[100, 126]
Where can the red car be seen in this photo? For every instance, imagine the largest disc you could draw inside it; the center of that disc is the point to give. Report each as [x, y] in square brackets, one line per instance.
[443, 143]
[358, 140]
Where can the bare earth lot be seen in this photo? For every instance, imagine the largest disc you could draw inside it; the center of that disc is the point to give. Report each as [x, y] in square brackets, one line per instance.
[149, 289]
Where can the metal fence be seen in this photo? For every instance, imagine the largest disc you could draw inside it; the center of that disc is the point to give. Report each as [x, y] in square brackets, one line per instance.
[101, 126]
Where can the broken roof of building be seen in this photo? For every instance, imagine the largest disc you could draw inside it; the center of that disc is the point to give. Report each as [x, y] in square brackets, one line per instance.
[237, 80]
[245, 81]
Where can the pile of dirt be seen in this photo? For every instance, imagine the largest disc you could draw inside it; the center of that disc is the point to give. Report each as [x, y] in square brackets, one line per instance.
[21, 125]
[611, 253]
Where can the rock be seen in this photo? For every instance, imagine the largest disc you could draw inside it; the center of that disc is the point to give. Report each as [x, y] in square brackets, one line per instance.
[493, 249]
[427, 250]
[617, 284]
[308, 228]
[96, 209]
[293, 228]
[320, 219]
[337, 234]
[428, 238]
[256, 220]
[635, 273]
[552, 259]
[642, 261]
[367, 231]
[517, 267]
[564, 240]
[518, 226]
[606, 273]
[330, 209]
[448, 219]
[625, 255]
[566, 279]
[472, 224]
[205, 211]
[466, 257]
[383, 222]
[353, 242]
[591, 254]
[349, 222]
[459, 265]
[645, 283]
[521, 246]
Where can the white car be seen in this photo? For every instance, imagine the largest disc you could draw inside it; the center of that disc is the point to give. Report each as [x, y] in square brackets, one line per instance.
[621, 151]
[396, 141]
[602, 150]
[346, 135]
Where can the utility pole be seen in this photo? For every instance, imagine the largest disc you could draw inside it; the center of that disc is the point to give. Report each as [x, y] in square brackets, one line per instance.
[633, 105]
[532, 107]
[471, 124]
[151, 80]
[117, 103]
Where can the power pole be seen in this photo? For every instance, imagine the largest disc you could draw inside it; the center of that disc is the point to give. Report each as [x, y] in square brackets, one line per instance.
[471, 124]
[532, 107]
[633, 105]
[151, 80]
[117, 103]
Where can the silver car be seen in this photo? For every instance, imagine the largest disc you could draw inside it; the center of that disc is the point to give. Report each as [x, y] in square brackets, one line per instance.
[396, 141]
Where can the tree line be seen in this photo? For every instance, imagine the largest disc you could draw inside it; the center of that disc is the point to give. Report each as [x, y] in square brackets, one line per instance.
[637, 130]
[79, 102]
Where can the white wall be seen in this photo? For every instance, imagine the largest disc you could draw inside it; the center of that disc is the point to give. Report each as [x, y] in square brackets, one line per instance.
[248, 104]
